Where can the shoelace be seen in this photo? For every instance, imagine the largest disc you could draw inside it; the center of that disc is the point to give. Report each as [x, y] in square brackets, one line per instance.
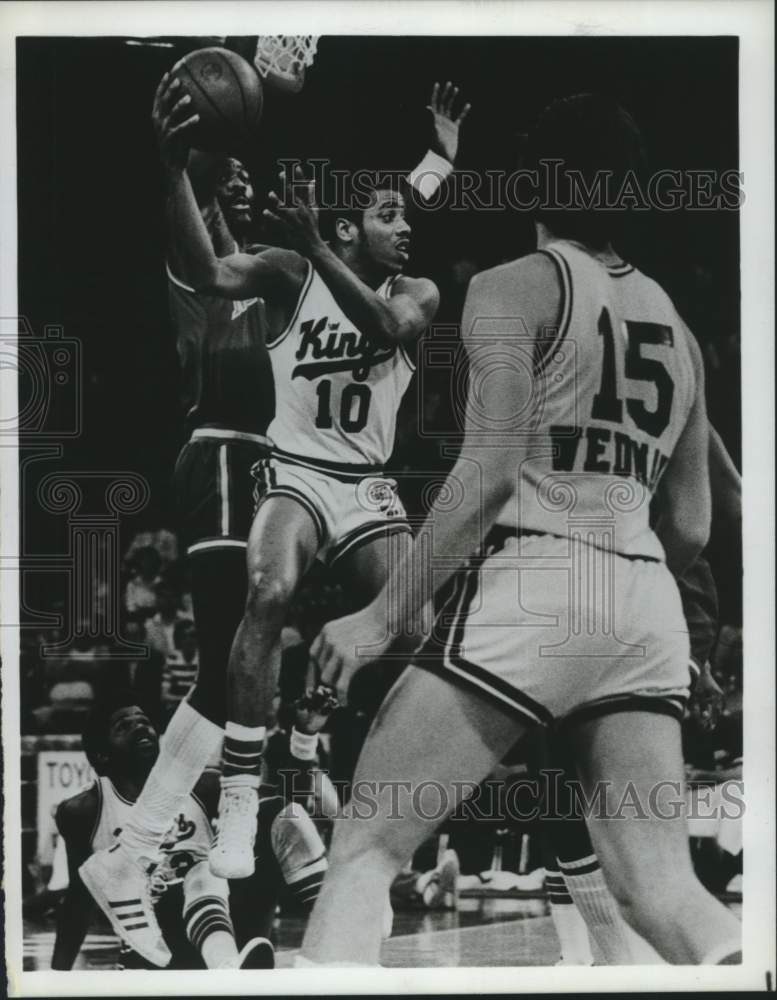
[155, 881]
[159, 882]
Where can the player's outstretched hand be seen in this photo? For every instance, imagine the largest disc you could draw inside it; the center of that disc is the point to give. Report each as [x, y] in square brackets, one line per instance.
[346, 645]
[173, 120]
[447, 123]
[296, 214]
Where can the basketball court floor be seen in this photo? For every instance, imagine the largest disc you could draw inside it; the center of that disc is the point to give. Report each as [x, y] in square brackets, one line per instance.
[513, 931]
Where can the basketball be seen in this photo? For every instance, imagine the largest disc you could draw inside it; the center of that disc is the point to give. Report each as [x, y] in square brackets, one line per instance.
[226, 92]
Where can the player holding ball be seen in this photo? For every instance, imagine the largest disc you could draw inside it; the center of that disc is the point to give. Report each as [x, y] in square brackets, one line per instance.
[333, 431]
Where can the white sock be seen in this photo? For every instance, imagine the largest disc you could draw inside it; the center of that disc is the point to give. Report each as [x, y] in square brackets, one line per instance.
[241, 761]
[209, 928]
[219, 951]
[588, 889]
[186, 747]
[570, 926]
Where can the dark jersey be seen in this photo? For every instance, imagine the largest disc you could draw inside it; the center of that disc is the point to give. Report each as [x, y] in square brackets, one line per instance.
[226, 377]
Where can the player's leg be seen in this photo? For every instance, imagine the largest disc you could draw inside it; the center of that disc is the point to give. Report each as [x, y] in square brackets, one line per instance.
[363, 570]
[365, 567]
[299, 853]
[209, 925]
[194, 734]
[219, 586]
[579, 886]
[282, 545]
[647, 859]
[568, 922]
[430, 744]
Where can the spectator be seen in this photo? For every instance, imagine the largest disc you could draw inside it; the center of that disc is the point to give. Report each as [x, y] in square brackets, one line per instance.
[69, 701]
[161, 626]
[180, 667]
[141, 594]
[146, 670]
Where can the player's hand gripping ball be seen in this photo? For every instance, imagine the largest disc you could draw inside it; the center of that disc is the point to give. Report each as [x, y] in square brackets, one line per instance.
[226, 93]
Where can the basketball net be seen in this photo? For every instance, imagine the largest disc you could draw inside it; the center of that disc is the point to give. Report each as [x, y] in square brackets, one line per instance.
[281, 59]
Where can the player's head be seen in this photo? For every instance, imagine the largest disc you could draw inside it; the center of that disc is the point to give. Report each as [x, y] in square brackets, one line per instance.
[235, 195]
[374, 232]
[118, 737]
[584, 149]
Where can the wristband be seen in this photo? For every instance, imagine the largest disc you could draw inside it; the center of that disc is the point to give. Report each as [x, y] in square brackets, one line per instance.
[430, 173]
[303, 746]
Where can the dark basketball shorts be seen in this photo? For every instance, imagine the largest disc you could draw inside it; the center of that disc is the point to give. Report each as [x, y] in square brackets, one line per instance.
[214, 489]
[556, 631]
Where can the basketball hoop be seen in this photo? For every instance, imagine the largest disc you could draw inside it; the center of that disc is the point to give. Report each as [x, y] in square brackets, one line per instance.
[281, 59]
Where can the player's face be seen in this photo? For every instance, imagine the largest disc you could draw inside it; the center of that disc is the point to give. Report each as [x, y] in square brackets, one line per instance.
[386, 231]
[235, 194]
[132, 740]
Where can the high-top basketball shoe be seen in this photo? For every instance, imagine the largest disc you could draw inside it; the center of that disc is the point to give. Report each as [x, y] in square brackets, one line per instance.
[120, 886]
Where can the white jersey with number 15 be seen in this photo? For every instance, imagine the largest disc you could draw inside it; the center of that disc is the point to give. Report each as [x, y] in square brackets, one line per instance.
[614, 389]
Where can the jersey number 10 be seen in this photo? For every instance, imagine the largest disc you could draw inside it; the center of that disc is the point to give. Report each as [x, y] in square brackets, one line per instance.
[354, 406]
[607, 404]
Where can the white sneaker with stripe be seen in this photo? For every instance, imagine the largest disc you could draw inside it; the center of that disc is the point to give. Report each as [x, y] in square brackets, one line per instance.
[120, 887]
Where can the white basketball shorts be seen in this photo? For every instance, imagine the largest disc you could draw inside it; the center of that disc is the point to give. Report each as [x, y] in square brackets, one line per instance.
[553, 629]
[350, 505]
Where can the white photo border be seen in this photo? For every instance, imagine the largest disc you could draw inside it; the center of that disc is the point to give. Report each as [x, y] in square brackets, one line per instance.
[752, 21]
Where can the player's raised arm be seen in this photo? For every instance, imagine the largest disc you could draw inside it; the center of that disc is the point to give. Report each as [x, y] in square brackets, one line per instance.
[203, 170]
[684, 490]
[75, 819]
[238, 276]
[440, 159]
[401, 318]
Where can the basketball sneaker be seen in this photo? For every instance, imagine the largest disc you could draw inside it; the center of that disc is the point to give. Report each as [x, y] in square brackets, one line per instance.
[120, 886]
[257, 954]
[232, 854]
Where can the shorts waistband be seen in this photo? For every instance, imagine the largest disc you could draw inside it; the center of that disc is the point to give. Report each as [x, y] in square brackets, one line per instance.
[347, 472]
[223, 434]
[499, 534]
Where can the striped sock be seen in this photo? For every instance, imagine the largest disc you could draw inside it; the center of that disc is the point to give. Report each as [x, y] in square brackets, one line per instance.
[209, 928]
[570, 926]
[304, 885]
[242, 754]
[588, 889]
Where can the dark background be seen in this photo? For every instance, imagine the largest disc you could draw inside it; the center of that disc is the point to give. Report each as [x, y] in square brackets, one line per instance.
[91, 239]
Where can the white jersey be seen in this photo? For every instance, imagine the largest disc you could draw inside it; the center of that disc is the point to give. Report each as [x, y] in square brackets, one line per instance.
[337, 392]
[614, 390]
[187, 841]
